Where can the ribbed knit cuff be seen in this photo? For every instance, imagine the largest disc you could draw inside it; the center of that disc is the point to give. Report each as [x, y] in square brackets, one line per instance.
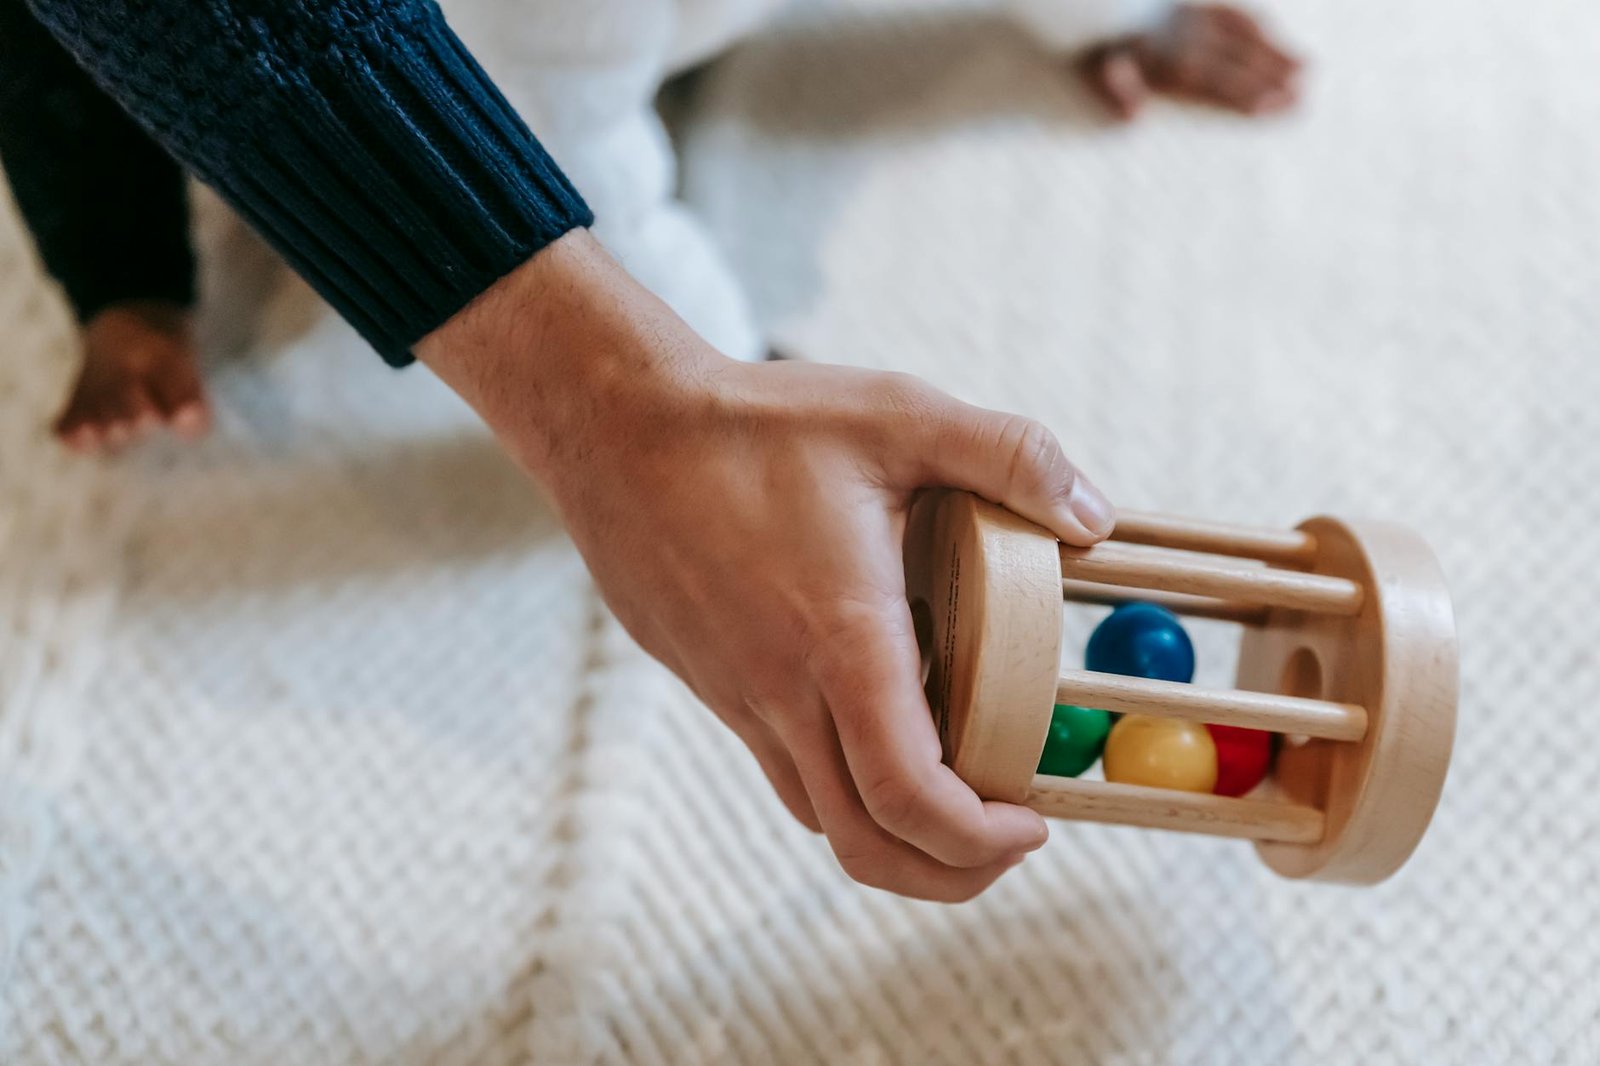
[398, 181]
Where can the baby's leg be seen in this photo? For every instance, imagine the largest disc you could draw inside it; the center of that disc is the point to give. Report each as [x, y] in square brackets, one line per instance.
[108, 211]
[584, 76]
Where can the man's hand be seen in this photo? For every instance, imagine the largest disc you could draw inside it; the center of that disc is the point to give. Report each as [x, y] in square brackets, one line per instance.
[745, 524]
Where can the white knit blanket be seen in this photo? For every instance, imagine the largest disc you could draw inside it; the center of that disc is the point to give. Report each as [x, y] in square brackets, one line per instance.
[316, 749]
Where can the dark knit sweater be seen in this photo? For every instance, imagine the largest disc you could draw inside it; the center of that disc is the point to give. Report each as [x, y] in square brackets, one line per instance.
[359, 136]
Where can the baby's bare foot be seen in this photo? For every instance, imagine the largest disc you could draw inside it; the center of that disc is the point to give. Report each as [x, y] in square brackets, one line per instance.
[1209, 53]
[139, 374]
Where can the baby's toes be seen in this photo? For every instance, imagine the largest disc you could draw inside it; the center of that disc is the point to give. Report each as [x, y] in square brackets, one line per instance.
[80, 435]
[181, 399]
[124, 417]
[192, 421]
[81, 427]
[116, 433]
[147, 416]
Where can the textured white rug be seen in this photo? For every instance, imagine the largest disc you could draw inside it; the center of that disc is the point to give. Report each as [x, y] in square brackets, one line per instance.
[315, 748]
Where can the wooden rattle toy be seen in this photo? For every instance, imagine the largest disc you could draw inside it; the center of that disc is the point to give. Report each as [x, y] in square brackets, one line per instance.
[1348, 653]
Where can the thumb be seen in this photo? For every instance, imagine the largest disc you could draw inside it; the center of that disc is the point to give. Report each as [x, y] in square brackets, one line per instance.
[1115, 76]
[1017, 463]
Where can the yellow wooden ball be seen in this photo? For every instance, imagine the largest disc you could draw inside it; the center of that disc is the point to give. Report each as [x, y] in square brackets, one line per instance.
[1161, 753]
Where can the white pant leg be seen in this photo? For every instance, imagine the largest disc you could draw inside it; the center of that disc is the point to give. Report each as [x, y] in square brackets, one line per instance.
[584, 74]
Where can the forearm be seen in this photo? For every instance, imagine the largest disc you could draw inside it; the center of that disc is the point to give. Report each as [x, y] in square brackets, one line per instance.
[358, 136]
[107, 208]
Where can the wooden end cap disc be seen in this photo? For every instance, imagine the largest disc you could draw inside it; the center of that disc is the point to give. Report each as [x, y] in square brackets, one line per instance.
[1396, 658]
[985, 593]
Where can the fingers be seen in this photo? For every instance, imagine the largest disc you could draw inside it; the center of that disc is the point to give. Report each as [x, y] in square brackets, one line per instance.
[866, 851]
[1273, 77]
[776, 763]
[1114, 75]
[1253, 77]
[1229, 21]
[1240, 89]
[870, 678]
[1015, 462]
[1220, 55]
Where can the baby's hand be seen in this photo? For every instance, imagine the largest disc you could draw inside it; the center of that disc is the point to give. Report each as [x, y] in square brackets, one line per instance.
[1210, 53]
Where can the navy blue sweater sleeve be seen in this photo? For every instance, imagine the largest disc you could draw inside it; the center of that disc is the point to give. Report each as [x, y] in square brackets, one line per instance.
[359, 136]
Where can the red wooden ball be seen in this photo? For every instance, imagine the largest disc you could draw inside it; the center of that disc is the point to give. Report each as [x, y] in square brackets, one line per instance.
[1243, 757]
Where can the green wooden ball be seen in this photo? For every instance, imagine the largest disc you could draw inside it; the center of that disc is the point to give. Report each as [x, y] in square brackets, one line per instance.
[1077, 736]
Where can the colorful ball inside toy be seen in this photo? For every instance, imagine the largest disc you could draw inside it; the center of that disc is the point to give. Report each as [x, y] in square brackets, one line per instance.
[1141, 640]
[1243, 756]
[1161, 753]
[1076, 738]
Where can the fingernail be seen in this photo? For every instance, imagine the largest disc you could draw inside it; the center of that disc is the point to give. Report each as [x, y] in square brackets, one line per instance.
[1040, 839]
[1091, 508]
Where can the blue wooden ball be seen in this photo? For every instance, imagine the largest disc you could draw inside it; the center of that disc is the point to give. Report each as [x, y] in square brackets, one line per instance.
[1141, 640]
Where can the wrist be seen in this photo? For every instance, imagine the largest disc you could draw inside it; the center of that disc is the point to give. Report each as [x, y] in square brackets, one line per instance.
[568, 350]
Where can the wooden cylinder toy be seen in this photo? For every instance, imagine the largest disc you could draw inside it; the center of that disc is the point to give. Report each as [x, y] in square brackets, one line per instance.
[1348, 652]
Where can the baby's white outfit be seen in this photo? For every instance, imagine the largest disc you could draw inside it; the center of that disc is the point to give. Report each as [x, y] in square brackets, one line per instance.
[584, 75]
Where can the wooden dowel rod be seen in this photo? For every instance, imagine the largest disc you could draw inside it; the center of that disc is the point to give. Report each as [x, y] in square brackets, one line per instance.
[1288, 547]
[1249, 614]
[1252, 710]
[1186, 812]
[1170, 571]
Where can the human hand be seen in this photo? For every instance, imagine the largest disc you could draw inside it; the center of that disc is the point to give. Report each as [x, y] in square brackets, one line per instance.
[1210, 53]
[745, 524]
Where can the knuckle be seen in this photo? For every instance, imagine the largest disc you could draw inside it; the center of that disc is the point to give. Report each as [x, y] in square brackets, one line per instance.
[861, 867]
[905, 395]
[1034, 457]
[899, 385]
[895, 802]
[835, 637]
